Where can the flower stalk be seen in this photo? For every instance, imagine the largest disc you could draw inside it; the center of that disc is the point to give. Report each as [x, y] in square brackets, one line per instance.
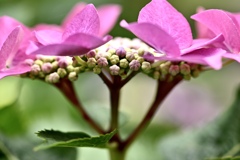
[66, 87]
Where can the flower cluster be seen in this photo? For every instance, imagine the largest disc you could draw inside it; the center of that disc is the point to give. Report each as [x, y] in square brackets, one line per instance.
[120, 56]
[80, 43]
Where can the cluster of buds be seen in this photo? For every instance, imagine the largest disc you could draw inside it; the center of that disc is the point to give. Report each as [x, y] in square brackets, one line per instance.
[119, 57]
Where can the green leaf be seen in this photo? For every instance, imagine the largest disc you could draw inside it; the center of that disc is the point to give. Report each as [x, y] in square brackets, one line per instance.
[220, 138]
[21, 148]
[72, 139]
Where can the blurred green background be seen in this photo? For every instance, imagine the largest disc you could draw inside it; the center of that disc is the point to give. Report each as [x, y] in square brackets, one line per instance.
[41, 106]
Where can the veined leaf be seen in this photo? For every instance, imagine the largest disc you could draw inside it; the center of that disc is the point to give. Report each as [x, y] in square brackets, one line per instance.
[72, 139]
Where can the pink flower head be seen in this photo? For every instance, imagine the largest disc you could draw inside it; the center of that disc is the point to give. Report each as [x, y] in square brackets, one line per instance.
[165, 29]
[221, 22]
[12, 37]
[80, 35]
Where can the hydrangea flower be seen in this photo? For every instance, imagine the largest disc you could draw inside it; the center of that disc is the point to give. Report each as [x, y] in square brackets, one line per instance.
[165, 29]
[80, 35]
[13, 35]
[215, 21]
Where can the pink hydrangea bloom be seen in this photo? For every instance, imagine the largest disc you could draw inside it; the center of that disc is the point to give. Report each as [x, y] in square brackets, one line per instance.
[80, 35]
[216, 21]
[165, 29]
[13, 36]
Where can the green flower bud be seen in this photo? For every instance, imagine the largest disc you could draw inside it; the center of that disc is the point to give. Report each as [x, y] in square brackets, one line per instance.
[114, 70]
[70, 68]
[114, 59]
[97, 70]
[38, 62]
[164, 67]
[91, 62]
[195, 73]
[41, 74]
[124, 63]
[146, 67]
[156, 74]
[72, 76]
[61, 72]
[111, 51]
[54, 65]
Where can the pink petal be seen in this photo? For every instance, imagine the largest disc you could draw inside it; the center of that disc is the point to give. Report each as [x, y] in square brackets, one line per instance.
[76, 44]
[48, 36]
[16, 70]
[86, 21]
[76, 9]
[108, 15]
[207, 56]
[232, 56]
[161, 13]
[201, 43]
[7, 25]
[10, 46]
[154, 36]
[89, 41]
[220, 22]
[47, 27]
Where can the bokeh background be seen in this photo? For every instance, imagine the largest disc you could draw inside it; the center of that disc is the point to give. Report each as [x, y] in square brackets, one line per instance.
[27, 106]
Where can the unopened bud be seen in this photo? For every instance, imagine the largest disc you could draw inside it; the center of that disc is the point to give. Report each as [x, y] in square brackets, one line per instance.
[70, 68]
[156, 74]
[164, 67]
[46, 67]
[185, 69]
[174, 70]
[148, 57]
[61, 72]
[97, 70]
[102, 62]
[146, 67]
[121, 52]
[52, 78]
[72, 76]
[91, 54]
[124, 63]
[29, 62]
[35, 69]
[134, 65]
[91, 62]
[63, 63]
[114, 69]
[111, 51]
[195, 73]
[55, 65]
[130, 56]
[114, 59]
[39, 62]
